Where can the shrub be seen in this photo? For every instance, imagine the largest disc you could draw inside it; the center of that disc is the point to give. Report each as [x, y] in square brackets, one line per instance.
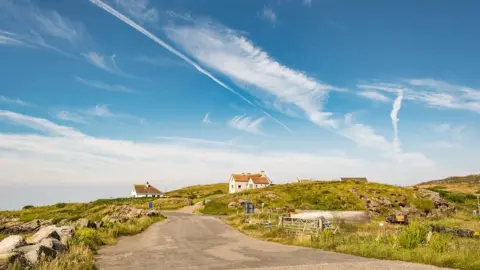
[78, 257]
[413, 235]
[88, 237]
[425, 205]
[28, 207]
[60, 205]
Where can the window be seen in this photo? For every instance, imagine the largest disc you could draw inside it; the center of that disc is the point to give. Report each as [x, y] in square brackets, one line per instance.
[232, 186]
[256, 185]
[239, 186]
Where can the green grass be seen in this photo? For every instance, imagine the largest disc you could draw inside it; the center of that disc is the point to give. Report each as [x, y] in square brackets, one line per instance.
[199, 192]
[331, 195]
[391, 242]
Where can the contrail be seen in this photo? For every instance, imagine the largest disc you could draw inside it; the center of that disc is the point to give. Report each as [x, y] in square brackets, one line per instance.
[397, 104]
[162, 43]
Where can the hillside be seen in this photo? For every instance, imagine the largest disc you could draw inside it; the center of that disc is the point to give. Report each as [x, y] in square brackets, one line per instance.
[200, 191]
[377, 199]
[469, 184]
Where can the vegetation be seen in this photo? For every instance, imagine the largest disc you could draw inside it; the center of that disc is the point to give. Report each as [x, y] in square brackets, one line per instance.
[200, 192]
[317, 195]
[390, 242]
[469, 184]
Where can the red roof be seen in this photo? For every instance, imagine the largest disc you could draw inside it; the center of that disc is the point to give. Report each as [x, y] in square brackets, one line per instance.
[143, 189]
[257, 178]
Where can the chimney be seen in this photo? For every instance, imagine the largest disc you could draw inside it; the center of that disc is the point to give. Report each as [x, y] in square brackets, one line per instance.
[262, 172]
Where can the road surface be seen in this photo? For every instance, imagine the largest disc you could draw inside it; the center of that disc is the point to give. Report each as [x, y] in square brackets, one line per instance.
[186, 241]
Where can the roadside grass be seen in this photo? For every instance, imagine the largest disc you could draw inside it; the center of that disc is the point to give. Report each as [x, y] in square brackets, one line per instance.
[200, 192]
[390, 242]
[83, 247]
[318, 195]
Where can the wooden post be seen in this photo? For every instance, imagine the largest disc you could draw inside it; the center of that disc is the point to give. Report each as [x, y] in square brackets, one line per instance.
[280, 221]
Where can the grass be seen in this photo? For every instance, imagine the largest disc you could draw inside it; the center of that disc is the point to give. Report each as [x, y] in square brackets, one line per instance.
[200, 192]
[317, 195]
[390, 242]
[469, 184]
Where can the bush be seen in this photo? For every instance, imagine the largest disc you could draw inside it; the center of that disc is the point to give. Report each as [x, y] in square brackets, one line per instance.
[425, 205]
[88, 237]
[413, 235]
[28, 207]
[60, 205]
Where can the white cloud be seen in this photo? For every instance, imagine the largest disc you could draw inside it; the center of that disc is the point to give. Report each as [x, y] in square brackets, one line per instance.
[161, 62]
[269, 15]
[24, 23]
[373, 95]
[70, 116]
[397, 104]
[206, 119]
[139, 10]
[70, 157]
[363, 135]
[102, 62]
[231, 54]
[434, 93]
[453, 133]
[162, 43]
[246, 123]
[103, 111]
[441, 145]
[104, 86]
[15, 101]
[197, 141]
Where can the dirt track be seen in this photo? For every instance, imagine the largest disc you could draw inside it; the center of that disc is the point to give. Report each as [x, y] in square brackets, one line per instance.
[186, 241]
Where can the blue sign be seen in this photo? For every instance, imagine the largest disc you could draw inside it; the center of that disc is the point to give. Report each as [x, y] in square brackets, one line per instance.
[150, 205]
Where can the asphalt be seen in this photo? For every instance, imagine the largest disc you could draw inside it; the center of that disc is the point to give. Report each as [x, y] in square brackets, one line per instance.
[187, 241]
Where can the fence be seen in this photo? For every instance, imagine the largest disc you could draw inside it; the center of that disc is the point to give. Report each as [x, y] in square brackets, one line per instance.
[300, 225]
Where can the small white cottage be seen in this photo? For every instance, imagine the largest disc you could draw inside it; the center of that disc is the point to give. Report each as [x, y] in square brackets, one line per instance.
[246, 181]
[145, 190]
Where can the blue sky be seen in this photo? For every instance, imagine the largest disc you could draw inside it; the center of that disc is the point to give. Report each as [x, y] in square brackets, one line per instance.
[108, 93]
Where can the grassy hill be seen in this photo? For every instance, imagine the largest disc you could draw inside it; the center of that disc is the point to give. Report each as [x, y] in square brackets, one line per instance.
[200, 192]
[331, 195]
[457, 184]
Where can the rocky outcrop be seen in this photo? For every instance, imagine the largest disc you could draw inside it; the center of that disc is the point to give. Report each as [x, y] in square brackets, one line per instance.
[66, 233]
[7, 260]
[45, 232]
[33, 253]
[15, 226]
[10, 243]
[54, 244]
[85, 223]
[126, 213]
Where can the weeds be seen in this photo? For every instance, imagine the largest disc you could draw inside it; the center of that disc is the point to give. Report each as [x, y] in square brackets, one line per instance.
[413, 235]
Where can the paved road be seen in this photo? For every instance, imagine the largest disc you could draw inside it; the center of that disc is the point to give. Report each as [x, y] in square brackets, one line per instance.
[186, 241]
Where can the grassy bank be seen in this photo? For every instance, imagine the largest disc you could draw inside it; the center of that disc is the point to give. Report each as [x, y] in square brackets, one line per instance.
[81, 255]
[389, 242]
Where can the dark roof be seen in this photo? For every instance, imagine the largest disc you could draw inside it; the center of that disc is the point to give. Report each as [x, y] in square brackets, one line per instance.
[143, 189]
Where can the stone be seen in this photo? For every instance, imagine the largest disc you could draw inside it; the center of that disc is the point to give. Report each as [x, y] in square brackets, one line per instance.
[85, 223]
[232, 205]
[66, 233]
[8, 259]
[153, 213]
[33, 253]
[54, 244]
[99, 224]
[15, 226]
[45, 232]
[10, 243]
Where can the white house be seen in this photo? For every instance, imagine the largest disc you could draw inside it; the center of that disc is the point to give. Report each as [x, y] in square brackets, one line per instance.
[145, 190]
[246, 181]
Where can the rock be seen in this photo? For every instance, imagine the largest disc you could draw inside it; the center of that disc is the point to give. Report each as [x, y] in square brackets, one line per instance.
[15, 226]
[45, 232]
[63, 222]
[402, 204]
[99, 224]
[232, 205]
[8, 259]
[10, 243]
[66, 233]
[85, 223]
[33, 253]
[54, 244]
[153, 213]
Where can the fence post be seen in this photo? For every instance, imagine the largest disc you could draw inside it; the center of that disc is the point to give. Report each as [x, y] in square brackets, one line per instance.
[280, 221]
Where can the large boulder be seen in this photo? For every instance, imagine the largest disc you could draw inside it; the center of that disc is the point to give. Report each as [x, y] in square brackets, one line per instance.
[99, 224]
[45, 232]
[10, 243]
[54, 244]
[15, 226]
[85, 223]
[153, 213]
[33, 253]
[7, 260]
[66, 233]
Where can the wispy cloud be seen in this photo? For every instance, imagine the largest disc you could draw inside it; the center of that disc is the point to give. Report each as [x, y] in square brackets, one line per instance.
[397, 104]
[307, 2]
[106, 63]
[197, 141]
[375, 96]
[160, 42]
[138, 9]
[231, 54]
[206, 119]
[246, 123]
[15, 101]
[440, 145]
[24, 23]
[161, 62]
[434, 93]
[70, 116]
[103, 111]
[105, 86]
[269, 15]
